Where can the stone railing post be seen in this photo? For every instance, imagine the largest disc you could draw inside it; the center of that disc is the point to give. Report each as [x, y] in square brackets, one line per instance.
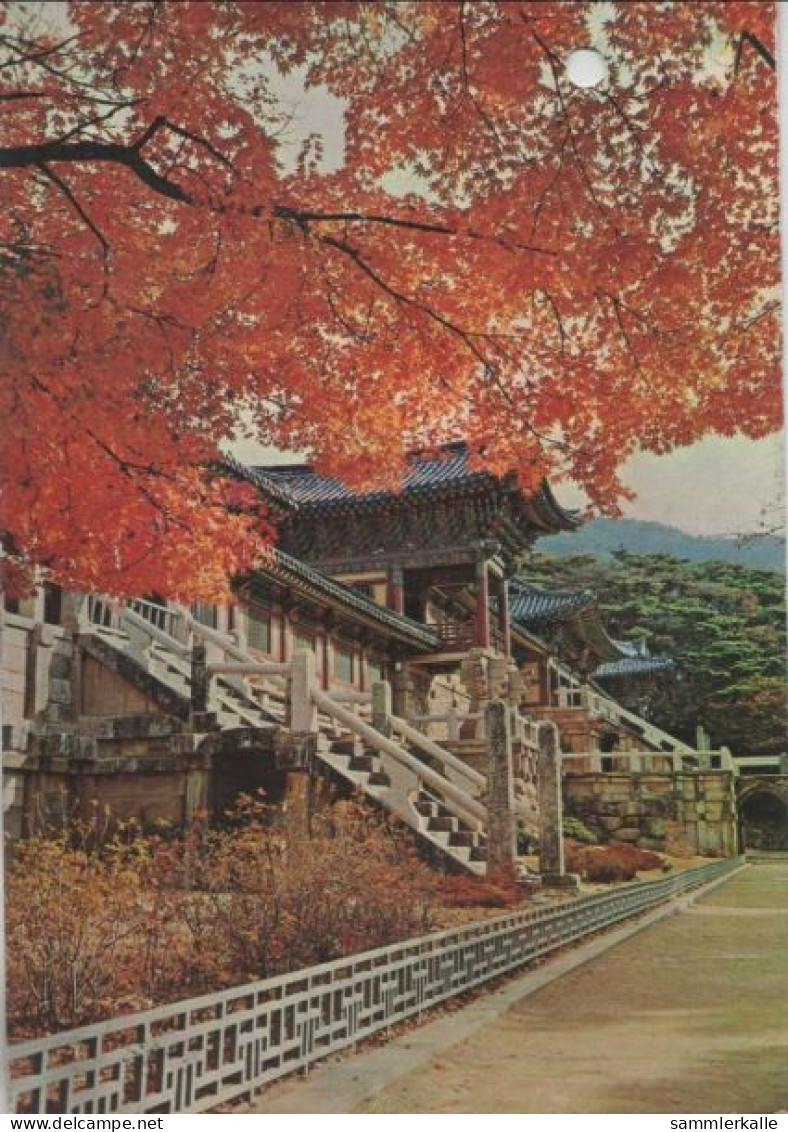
[551, 826]
[200, 678]
[295, 749]
[381, 706]
[501, 847]
[303, 710]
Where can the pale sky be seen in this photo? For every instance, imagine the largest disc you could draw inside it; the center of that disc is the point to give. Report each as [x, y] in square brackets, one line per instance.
[721, 485]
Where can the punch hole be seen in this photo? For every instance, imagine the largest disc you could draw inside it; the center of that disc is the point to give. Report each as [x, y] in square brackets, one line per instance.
[586, 68]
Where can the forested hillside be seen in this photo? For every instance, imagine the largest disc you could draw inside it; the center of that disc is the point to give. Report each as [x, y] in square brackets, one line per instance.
[603, 536]
[723, 624]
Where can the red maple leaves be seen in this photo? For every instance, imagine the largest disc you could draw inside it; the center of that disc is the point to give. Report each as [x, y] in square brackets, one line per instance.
[556, 275]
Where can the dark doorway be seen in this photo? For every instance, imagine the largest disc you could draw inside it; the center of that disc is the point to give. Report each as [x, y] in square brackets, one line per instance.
[764, 819]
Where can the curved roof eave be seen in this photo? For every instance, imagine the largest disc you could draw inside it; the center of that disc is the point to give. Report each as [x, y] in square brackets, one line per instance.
[283, 568]
[629, 666]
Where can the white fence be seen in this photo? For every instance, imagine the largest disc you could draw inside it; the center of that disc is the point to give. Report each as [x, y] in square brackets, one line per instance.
[191, 1056]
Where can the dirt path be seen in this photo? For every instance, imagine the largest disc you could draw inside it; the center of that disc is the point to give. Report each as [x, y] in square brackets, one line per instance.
[689, 1016]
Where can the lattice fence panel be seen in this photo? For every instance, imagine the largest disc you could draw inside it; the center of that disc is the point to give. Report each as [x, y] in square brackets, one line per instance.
[193, 1055]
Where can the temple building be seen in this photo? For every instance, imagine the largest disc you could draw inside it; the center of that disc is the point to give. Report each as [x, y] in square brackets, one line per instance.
[366, 652]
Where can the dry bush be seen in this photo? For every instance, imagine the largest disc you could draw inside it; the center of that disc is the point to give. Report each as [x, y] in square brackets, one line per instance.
[618, 861]
[136, 920]
[82, 935]
[464, 891]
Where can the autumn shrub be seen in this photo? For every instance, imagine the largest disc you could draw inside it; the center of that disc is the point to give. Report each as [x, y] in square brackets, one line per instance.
[136, 920]
[465, 891]
[82, 936]
[642, 859]
[607, 864]
[608, 868]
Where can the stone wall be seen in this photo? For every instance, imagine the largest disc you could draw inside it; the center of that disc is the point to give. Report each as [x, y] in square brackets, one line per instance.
[671, 813]
[140, 766]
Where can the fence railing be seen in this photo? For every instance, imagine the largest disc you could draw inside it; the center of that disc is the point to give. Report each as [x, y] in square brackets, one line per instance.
[193, 1055]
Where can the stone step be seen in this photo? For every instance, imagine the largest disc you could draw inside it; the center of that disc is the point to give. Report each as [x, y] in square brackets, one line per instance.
[446, 824]
[379, 778]
[464, 837]
[361, 763]
[344, 746]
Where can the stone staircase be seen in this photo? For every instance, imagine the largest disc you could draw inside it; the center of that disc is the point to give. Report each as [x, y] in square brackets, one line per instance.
[442, 823]
[452, 838]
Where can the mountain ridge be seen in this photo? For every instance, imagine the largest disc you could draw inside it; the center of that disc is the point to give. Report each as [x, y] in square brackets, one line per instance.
[600, 537]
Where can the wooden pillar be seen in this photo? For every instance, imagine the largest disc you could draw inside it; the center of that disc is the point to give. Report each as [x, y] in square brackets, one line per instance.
[395, 597]
[482, 605]
[326, 636]
[284, 630]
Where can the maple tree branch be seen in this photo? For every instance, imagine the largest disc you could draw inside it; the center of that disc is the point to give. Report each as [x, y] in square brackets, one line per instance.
[35, 56]
[304, 217]
[68, 194]
[554, 63]
[88, 150]
[617, 306]
[162, 122]
[407, 300]
[747, 38]
[485, 117]
[20, 95]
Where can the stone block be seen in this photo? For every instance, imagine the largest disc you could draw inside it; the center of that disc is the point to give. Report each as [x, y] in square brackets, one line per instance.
[610, 823]
[656, 845]
[628, 834]
[60, 666]
[569, 881]
[656, 827]
[60, 691]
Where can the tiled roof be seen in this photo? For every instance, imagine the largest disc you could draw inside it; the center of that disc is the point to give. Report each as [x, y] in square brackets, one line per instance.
[272, 490]
[634, 666]
[634, 648]
[447, 473]
[424, 475]
[287, 569]
[535, 606]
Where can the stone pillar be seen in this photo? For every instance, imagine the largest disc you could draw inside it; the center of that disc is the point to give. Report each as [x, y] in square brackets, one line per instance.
[410, 692]
[482, 605]
[303, 709]
[498, 678]
[551, 844]
[503, 618]
[298, 803]
[200, 678]
[73, 611]
[501, 844]
[381, 706]
[62, 703]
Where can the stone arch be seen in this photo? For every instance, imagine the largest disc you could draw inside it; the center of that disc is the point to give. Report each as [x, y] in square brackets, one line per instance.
[763, 812]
